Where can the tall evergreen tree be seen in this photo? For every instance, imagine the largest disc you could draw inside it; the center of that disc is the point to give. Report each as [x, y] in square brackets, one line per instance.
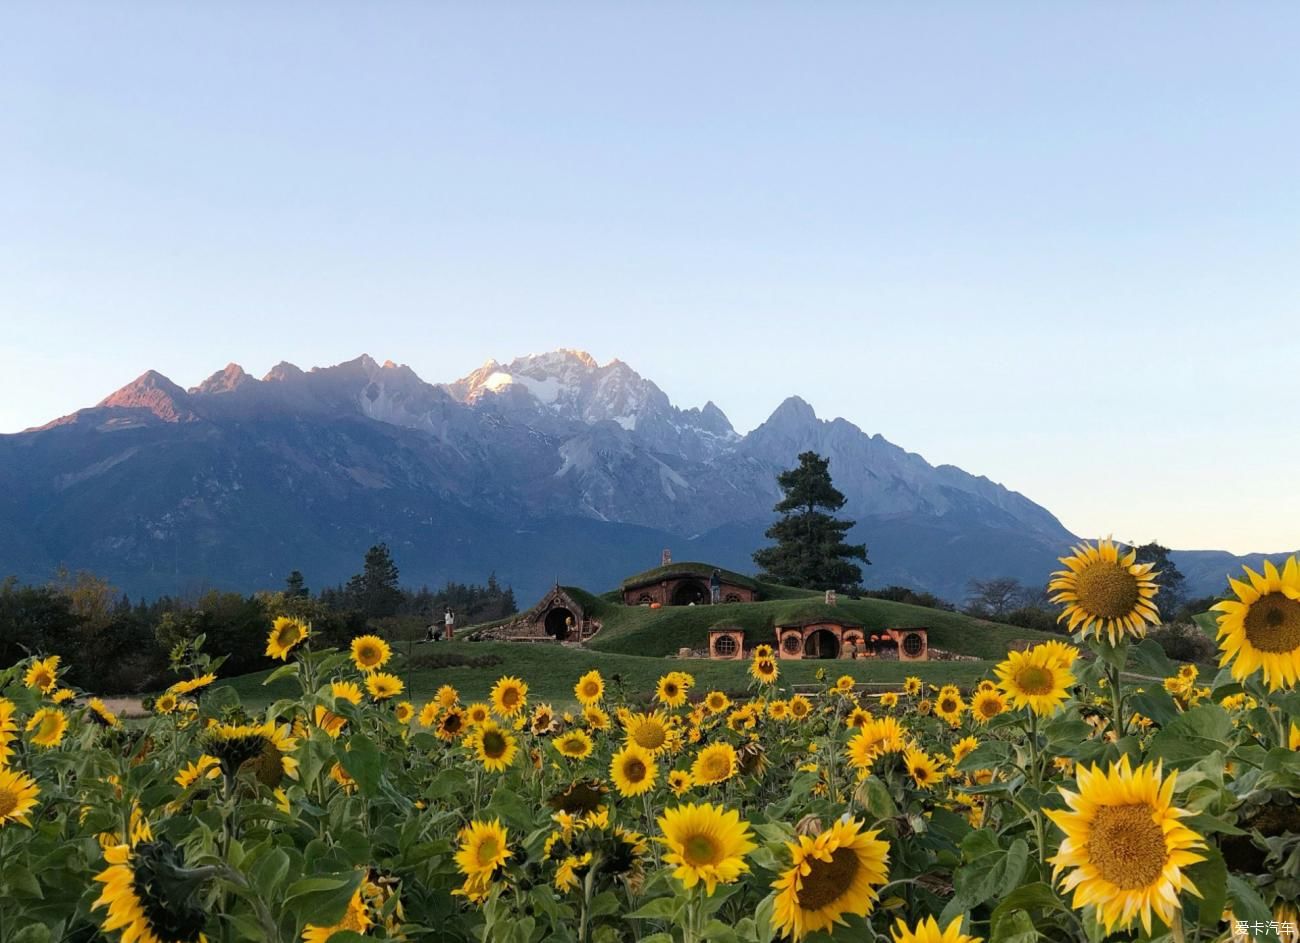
[295, 584]
[810, 550]
[374, 590]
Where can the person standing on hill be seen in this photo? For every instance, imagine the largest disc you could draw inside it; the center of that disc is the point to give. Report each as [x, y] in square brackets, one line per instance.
[449, 621]
[715, 587]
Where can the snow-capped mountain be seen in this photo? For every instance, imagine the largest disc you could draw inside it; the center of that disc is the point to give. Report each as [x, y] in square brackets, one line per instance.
[550, 466]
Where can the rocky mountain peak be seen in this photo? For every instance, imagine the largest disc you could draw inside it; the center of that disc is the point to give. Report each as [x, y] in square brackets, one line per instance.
[156, 393]
[223, 381]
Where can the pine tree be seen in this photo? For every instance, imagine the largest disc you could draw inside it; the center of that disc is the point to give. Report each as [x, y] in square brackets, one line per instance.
[810, 550]
[295, 584]
[374, 590]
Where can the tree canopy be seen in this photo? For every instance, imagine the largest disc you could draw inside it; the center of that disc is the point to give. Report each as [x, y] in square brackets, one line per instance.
[810, 549]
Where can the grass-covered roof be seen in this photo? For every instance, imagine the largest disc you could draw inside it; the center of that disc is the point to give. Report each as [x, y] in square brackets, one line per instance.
[689, 568]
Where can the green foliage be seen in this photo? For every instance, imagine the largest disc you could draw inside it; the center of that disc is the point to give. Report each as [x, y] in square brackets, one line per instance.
[810, 550]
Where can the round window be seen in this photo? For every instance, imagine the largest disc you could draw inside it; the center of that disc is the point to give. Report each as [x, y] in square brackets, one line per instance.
[792, 643]
[913, 644]
[724, 645]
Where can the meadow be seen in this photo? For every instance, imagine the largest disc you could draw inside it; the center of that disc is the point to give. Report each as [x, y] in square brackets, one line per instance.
[1083, 789]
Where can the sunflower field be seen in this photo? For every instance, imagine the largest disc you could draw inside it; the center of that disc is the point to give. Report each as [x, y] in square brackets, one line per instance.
[1088, 790]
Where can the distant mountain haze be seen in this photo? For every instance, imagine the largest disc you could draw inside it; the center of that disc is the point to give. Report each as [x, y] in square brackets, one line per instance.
[551, 467]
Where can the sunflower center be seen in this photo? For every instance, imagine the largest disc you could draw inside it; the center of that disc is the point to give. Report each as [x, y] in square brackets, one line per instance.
[487, 851]
[1127, 846]
[1273, 624]
[494, 744]
[8, 802]
[509, 697]
[1034, 680]
[699, 850]
[287, 635]
[651, 736]
[1107, 590]
[451, 723]
[948, 705]
[634, 770]
[368, 655]
[717, 767]
[827, 881]
[590, 690]
[989, 707]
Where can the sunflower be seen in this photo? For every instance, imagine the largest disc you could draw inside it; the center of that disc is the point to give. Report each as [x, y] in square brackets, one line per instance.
[18, 793]
[450, 724]
[670, 691]
[43, 675]
[778, 710]
[590, 689]
[963, 748]
[205, 767]
[233, 744]
[763, 650]
[49, 724]
[190, 685]
[370, 652]
[927, 931]
[509, 696]
[987, 704]
[8, 730]
[647, 731]
[949, 706]
[633, 770]
[477, 713]
[100, 714]
[166, 703]
[494, 746]
[1125, 844]
[483, 849]
[923, 768]
[595, 718]
[679, 781]
[574, 745]
[800, 707]
[857, 719]
[1035, 680]
[889, 700]
[1106, 593]
[844, 684]
[714, 764]
[150, 896]
[429, 713]
[286, 634]
[912, 686]
[716, 702]
[543, 719]
[63, 695]
[272, 762]
[830, 875]
[764, 670]
[383, 685]
[1261, 627]
[356, 919]
[328, 721]
[707, 843]
[348, 691]
[571, 871]
[447, 696]
[404, 712]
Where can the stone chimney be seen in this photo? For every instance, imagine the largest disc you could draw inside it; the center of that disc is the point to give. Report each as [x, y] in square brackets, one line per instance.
[830, 597]
[666, 557]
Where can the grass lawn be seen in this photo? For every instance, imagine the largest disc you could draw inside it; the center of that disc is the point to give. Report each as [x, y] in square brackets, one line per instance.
[551, 671]
[644, 631]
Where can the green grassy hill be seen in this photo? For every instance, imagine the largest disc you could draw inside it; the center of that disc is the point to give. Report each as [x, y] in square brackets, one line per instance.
[635, 641]
[639, 630]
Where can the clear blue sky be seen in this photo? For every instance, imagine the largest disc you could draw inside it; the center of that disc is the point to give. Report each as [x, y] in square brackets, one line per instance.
[1055, 244]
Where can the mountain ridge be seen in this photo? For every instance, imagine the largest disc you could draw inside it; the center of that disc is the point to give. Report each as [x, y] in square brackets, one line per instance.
[239, 479]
